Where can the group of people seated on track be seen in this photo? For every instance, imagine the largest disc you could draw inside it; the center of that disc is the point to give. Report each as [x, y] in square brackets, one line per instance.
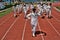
[32, 11]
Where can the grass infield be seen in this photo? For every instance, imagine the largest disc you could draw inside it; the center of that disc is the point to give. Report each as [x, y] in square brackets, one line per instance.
[5, 12]
[58, 7]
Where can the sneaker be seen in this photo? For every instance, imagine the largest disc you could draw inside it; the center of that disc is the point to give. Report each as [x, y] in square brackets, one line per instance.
[43, 17]
[25, 17]
[49, 17]
[33, 35]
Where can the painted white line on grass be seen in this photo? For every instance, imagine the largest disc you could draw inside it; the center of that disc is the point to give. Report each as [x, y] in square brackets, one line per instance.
[40, 30]
[9, 28]
[24, 30]
[53, 27]
[5, 20]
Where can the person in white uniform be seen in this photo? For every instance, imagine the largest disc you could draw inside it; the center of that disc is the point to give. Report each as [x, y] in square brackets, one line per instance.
[45, 7]
[17, 8]
[14, 10]
[25, 10]
[48, 10]
[27, 6]
[31, 6]
[34, 20]
[42, 10]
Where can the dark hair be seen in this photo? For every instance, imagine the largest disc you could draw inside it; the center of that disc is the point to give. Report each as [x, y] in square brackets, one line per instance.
[34, 10]
[41, 4]
[24, 5]
[50, 3]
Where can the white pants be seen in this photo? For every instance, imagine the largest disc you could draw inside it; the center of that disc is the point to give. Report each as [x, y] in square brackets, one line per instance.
[25, 13]
[34, 25]
[48, 12]
[14, 13]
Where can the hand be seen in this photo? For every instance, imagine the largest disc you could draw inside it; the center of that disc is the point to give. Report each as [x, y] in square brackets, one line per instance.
[28, 17]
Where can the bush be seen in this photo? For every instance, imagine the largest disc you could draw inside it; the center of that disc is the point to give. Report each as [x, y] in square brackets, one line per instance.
[8, 6]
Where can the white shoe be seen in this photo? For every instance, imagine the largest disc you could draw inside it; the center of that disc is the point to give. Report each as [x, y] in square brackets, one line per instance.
[14, 15]
[33, 35]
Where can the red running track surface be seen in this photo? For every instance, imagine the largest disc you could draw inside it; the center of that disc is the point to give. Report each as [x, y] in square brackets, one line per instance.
[20, 29]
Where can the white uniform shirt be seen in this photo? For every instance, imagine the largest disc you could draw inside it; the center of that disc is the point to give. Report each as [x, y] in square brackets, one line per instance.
[38, 6]
[41, 9]
[14, 9]
[17, 6]
[32, 6]
[24, 8]
[34, 18]
[27, 6]
[45, 6]
[48, 8]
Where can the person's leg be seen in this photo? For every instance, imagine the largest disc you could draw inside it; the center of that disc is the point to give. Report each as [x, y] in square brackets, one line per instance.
[33, 30]
[47, 12]
[25, 14]
[41, 13]
[15, 15]
[50, 13]
[49, 16]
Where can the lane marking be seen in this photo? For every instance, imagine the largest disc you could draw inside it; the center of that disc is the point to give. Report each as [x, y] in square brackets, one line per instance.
[56, 9]
[56, 19]
[40, 30]
[9, 28]
[5, 20]
[53, 27]
[24, 30]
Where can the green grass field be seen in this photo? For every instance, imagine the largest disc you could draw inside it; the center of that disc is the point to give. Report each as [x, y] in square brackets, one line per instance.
[5, 12]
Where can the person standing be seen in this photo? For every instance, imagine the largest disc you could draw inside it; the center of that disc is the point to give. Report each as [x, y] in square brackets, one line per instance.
[34, 20]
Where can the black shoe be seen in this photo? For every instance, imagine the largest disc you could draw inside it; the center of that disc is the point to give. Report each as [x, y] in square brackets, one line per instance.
[43, 17]
[49, 17]
[16, 16]
[25, 17]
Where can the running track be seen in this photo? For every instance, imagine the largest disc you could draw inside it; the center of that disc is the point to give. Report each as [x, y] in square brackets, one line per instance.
[20, 29]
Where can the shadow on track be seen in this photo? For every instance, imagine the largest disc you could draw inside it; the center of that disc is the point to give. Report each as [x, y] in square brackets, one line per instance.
[41, 33]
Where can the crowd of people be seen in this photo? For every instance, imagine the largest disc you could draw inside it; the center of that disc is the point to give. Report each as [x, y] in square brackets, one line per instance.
[32, 11]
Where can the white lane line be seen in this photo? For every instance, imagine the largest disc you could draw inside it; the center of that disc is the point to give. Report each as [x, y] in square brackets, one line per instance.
[56, 19]
[24, 30]
[9, 28]
[40, 30]
[56, 9]
[53, 27]
[5, 20]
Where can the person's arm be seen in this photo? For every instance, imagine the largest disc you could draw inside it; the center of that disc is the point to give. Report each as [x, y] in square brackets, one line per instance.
[28, 16]
[38, 12]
